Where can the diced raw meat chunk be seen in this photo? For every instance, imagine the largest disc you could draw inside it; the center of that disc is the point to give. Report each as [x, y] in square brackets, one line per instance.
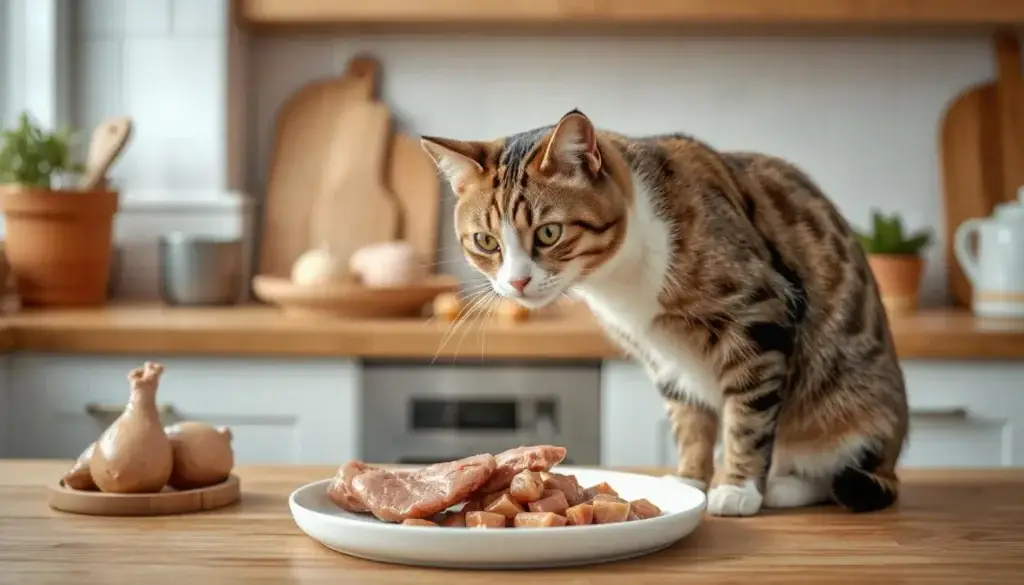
[488, 499]
[485, 520]
[454, 519]
[608, 498]
[526, 487]
[511, 462]
[505, 506]
[340, 491]
[538, 520]
[393, 496]
[644, 509]
[580, 514]
[601, 488]
[554, 503]
[608, 512]
[567, 484]
[418, 522]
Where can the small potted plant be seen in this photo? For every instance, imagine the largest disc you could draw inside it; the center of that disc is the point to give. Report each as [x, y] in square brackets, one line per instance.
[895, 259]
[58, 237]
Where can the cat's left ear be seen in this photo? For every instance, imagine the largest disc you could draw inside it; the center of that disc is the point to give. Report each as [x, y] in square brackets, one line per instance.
[573, 145]
[457, 160]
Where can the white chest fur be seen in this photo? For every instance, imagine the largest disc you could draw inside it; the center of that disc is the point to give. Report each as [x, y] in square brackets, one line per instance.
[623, 293]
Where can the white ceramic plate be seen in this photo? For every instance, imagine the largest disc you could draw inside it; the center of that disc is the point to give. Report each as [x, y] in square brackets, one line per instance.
[362, 535]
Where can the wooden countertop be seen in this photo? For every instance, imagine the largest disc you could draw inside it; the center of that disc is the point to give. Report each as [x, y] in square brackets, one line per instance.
[950, 527]
[260, 330]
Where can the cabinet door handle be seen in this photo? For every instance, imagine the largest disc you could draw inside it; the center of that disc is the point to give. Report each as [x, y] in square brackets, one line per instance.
[954, 413]
[113, 410]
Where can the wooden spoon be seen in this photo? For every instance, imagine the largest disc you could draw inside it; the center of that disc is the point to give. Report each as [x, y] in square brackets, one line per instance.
[108, 140]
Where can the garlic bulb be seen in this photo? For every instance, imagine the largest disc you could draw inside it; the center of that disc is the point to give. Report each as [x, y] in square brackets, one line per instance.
[317, 266]
[387, 265]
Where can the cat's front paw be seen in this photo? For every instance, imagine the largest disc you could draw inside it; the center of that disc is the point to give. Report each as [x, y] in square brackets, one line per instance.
[734, 500]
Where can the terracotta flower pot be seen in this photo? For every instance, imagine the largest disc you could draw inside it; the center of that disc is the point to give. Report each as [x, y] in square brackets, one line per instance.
[899, 280]
[58, 244]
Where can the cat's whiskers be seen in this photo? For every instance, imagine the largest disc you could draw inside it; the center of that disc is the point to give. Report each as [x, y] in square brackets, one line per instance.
[473, 300]
[488, 319]
[479, 302]
[480, 319]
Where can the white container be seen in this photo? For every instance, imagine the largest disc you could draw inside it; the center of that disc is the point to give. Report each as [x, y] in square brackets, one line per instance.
[996, 268]
[145, 215]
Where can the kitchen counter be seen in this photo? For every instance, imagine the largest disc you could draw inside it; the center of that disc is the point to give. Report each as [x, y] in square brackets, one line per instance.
[950, 527]
[260, 330]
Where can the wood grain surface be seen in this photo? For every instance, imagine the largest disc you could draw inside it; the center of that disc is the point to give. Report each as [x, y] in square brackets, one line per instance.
[951, 527]
[503, 12]
[260, 330]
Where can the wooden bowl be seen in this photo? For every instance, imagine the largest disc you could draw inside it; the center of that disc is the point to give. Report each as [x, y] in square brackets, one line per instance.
[163, 503]
[351, 300]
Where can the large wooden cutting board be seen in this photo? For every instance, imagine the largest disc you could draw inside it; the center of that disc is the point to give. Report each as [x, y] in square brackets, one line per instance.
[981, 147]
[305, 128]
[356, 208]
[413, 178]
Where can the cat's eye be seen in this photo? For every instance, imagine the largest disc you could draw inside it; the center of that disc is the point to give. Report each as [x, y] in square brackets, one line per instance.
[548, 233]
[485, 242]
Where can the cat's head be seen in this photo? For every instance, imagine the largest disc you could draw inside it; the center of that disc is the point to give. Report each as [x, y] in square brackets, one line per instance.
[539, 211]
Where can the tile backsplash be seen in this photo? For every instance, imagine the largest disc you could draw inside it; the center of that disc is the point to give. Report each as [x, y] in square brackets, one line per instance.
[860, 114]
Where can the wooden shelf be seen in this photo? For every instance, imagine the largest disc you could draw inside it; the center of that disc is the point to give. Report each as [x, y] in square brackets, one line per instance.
[661, 12]
[262, 331]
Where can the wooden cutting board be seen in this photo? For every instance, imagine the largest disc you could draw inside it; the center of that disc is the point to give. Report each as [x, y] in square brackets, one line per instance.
[305, 129]
[981, 148]
[413, 178]
[356, 208]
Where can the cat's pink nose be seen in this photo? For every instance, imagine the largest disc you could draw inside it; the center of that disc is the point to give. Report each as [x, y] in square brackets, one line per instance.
[520, 284]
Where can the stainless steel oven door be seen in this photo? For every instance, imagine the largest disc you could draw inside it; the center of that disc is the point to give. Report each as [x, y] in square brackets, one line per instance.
[421, 413]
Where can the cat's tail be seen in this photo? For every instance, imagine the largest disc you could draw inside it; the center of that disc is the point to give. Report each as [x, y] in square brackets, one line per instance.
[865, 486]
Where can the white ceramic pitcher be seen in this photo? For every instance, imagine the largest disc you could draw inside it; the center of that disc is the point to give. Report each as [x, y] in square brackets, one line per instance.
[996, 270]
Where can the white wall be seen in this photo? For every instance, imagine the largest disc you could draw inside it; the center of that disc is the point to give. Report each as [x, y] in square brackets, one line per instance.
[164, 63]
[860, 114]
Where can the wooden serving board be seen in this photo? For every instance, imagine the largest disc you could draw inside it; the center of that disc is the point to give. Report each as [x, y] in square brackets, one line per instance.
[305, 129]
[355, 208]
[981, 153]
[163, 503]
[413, 178]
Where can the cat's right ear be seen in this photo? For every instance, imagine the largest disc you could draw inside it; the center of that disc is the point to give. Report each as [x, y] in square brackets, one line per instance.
[458, 160]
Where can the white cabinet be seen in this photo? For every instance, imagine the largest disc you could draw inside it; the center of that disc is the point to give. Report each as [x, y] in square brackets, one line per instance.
[279, 411]
[962, 414]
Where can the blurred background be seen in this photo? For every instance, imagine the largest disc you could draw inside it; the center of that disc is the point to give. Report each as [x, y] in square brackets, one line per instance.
[241, 159]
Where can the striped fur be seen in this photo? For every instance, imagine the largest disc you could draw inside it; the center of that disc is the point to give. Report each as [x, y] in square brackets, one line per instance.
[729, 276]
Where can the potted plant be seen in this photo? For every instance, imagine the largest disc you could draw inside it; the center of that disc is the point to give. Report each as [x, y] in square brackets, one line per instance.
[58, 237]
[895, 259]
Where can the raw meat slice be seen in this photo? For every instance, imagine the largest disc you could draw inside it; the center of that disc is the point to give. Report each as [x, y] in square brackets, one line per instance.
[340, 491]
[511, 462]
[393, 496]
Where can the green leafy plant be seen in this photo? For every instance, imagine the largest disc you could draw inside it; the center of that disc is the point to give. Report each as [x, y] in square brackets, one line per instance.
[888, 236]
[32, 157]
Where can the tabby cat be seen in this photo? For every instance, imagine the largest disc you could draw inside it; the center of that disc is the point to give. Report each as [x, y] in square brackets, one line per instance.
[729, 276]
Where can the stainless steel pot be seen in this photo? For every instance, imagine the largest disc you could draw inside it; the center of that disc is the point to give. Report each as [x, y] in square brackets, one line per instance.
[200, 270]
